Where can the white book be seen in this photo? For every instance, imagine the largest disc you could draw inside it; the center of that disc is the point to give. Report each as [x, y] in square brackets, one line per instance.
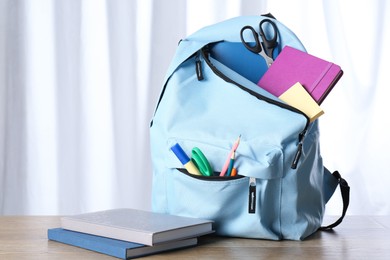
[144, 227]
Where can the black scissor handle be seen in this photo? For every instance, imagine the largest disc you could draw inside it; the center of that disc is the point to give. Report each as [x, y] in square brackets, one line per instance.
[269, 43]
[255, 48]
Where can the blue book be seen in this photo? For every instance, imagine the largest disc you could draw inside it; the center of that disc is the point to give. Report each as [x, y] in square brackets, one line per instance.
[235, 56]
[113, 247]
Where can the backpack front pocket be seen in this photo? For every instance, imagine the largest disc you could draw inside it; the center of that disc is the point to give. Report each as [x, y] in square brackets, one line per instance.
[247, 204]
[228, 203]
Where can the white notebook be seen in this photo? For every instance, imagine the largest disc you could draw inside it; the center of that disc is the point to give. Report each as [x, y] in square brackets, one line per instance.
[144, 227]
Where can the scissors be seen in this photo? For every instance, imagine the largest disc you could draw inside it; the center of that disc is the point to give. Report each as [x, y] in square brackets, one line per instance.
[267, 46]
[201, 162]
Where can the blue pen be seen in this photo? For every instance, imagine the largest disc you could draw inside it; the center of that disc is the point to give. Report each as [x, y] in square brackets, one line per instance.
[185, 160]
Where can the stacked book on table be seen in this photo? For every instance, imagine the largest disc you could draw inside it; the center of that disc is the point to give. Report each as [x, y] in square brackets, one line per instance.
[129, 233]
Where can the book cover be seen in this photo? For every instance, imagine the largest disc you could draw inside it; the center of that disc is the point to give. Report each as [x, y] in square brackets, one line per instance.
[299, 98]
[114, 247]
[144, 227]
[316, 75]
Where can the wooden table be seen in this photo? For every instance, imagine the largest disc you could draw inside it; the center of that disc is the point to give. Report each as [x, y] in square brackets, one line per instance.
[358, 237]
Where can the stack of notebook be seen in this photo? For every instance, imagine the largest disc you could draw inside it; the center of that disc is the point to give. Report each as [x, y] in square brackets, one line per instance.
[129, 233]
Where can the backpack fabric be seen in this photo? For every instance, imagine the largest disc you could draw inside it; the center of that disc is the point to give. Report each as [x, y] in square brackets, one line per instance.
[282, 186]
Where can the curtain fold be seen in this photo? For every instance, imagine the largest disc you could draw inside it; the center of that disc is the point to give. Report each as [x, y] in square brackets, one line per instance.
[13, 133]
[68, 17]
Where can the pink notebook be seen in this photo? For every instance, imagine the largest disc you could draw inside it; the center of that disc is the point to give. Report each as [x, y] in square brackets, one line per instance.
[317, 76]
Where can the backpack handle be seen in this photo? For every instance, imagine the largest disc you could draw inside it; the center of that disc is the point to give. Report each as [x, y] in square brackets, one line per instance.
[345, 190]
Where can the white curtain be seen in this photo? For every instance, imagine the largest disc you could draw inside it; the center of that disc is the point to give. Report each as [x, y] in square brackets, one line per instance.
[355, 128]
[79, 81]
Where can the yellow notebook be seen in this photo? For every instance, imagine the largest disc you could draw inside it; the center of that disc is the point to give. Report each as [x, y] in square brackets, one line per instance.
[298, 97]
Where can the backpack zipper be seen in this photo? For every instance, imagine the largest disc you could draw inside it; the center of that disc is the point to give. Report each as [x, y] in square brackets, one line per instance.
[252, 195]
[204, 52]
[198, 67]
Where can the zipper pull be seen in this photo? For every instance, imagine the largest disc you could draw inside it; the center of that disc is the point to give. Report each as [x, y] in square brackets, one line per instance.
[252, 195]
[302, 135]
[299, 149]
[198, 67]
[297, 156]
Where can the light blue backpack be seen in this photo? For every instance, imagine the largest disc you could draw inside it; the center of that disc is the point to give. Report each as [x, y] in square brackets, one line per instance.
[281, 186]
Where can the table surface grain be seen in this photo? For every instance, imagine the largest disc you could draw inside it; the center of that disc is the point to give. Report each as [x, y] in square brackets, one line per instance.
[358, 237]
